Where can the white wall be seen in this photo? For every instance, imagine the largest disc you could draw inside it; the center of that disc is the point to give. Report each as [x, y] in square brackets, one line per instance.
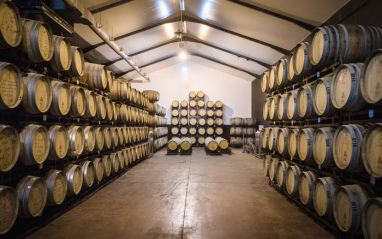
[235, 93]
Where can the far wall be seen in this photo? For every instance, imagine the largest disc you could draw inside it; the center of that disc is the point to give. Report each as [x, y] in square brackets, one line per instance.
[235, 93]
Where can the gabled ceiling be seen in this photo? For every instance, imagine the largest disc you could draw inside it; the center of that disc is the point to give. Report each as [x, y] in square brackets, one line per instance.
[238, 37]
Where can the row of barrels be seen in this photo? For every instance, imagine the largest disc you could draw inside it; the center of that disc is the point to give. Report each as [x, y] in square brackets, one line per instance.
[214, 144]
[329, 44]
[155, 120]
[159, 131]
[182, 105]
[195, 122]
[154, 108]
[196, 95]
[349, 147]
[176, 143]
[121, 91]
[152, 95]
[197, 139]
[351, 206]
[36, 143]
[239, 131]
[197, 130]
[158, 143]
[175, 113]
[33, 194]
[245, 122]
[346, 90]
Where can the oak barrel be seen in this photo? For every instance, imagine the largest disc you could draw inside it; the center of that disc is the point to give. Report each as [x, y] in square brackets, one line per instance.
[59, 142]
[78, 62]
[305, 143]
[10, 26]
[305, 107]
[322, 102]
[99, 169]
[9, 202]
[37, 96]
[32, 193]
[74, 178]
[211, 144]
[371, 81]
[57, 187]
[34, 144]
[372, 150]
[323, 192]
[62, 54]
[305, 187]
[9, 147]
[371, 218]
[61, 99]
[11, 84]
[292, 180]
[76, 140]
[88, 172]
[78, 106]
[323, 146]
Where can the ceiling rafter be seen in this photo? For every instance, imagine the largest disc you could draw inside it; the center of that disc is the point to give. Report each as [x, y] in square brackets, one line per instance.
[193, 54]
[187, 38]
[109, 6]
[299, 23]
[186, 17]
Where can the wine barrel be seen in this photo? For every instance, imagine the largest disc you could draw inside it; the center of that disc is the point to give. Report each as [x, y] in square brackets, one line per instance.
[126, 156]
[78, 62]
[183, 130]
[249, 122]
[200, 94]
[371, 82]
[281, 107]
[183, 121]
[282, 141]
[210, 104]
[219, 121]
[322, 146]
[266, 109]
[348, 204]
[74, 178]
[101, 108]
[305, 187]
[281, 73]
[174, 143]
[323, 192]
[219, 113]
[202, 112]
[292, 180]
[11, 84]
[62, 54]
[250, 132]
[301, 63]
[202, 122]
[273, 113]
[37, 41]
[175, 130]
[347, 143]
[57, 187]
[175, 121]
[264, 135]
[99, 138]
[201, 103]
[210, 121]
[201, 131]
[192, 94]
[119, 90]
[272, 168]
[305, 139]
[9, 201]
[37, 96]
[61, 99]
[95, 75]
[272, 79]
[222, 143]
[91, 104]
[192, 112]
[324, 47]
[219, 130]
[236, 142]
[272, 139]
[264, 82]
[78, 106]
[210, 131]
[281, 169]
[11, 28]
[34, 144]
[123, 113]
[59, 142]
[175, 113]
[32, 193]
[292, 143]
[88, 172]
[322, 103]
[266, 163]
[76, 140]
[305, 103]
[345, 91]
[184, 104]
[175, 104]
[211, 144]
[371, 218]
[110, 112]
[90, 138]
[218, 104]
[110, 80]
[237, 121]
[9, 147]
[371, 150]
[185, 144]
[201, 140]
[192, 103]
[107, 165]
[291, 75]
[115, 137]
[99, 169]
[114, 162]
[292, 106]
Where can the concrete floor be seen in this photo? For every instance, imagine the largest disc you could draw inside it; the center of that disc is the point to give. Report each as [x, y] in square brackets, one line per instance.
[187, 197]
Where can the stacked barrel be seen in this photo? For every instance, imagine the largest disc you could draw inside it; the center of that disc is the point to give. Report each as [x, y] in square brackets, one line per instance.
[175, 119]
[236, 132]
[214, 118]
[197, 112]
[157, 119]
[304, 90]
[88, 127]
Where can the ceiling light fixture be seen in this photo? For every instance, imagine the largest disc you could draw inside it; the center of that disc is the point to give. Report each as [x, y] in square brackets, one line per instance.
[183, 55]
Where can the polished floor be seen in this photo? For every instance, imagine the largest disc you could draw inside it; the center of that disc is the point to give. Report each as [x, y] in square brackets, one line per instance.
[187, 197]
